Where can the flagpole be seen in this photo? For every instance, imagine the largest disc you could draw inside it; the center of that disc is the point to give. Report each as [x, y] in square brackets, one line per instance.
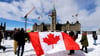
[25, 22]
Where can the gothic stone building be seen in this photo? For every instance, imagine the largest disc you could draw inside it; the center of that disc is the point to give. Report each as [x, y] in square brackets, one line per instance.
[3, 26]
[57, 27]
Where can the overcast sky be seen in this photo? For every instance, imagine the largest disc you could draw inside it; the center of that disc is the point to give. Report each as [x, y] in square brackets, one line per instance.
[12, 12]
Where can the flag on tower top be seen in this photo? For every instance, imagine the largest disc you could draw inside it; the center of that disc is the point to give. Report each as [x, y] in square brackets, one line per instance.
[50, 13]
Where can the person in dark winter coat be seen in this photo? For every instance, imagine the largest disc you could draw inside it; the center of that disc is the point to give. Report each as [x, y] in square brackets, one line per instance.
[76, 35]
[94, 35]
[20, 38]
[72, 34]
[1, 36]
[84, 41]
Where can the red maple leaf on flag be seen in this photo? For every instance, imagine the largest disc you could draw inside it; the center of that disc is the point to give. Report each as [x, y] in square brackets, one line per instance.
[51, 39]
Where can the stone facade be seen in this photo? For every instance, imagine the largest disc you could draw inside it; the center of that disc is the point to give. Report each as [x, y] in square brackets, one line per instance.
[57, 27]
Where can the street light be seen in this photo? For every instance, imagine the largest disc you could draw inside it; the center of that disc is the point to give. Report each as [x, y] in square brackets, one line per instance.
[26, 18]
[25, 22]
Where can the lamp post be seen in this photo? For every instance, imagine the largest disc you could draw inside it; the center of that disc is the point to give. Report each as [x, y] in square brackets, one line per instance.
[25, 22]
[26, 18]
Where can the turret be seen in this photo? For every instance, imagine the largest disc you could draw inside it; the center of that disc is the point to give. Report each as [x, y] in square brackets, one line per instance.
[53, 27]
[35, 27]
[67, 25]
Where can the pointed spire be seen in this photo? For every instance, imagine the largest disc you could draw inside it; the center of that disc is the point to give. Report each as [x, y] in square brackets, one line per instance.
[54, 7]
[54, 11]
[35, 23]
[5, 25]
[67, 22]
[1, 24]
[77, 22]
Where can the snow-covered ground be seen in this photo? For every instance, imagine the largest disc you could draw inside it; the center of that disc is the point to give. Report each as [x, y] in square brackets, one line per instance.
[29, 51]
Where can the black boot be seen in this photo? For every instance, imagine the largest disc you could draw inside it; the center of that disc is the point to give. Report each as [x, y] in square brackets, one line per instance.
[86, 50]
[4, 49]
[71, 52]
[81, 49]
[15, 52]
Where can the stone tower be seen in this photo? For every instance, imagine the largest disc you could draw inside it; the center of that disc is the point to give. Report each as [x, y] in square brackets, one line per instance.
[53, 24]
[3, 26]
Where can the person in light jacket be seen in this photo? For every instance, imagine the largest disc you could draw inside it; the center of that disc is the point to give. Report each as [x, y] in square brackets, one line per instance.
[15, 42]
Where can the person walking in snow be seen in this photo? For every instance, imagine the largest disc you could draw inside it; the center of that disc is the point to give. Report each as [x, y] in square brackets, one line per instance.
[94, 35]
[1, 36]
[84, 42]
[72, 34]
[76, 35]
[14, 35]
[21, 35]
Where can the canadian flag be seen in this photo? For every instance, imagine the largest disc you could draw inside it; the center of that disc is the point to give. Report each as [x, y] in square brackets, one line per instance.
[51, 42]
